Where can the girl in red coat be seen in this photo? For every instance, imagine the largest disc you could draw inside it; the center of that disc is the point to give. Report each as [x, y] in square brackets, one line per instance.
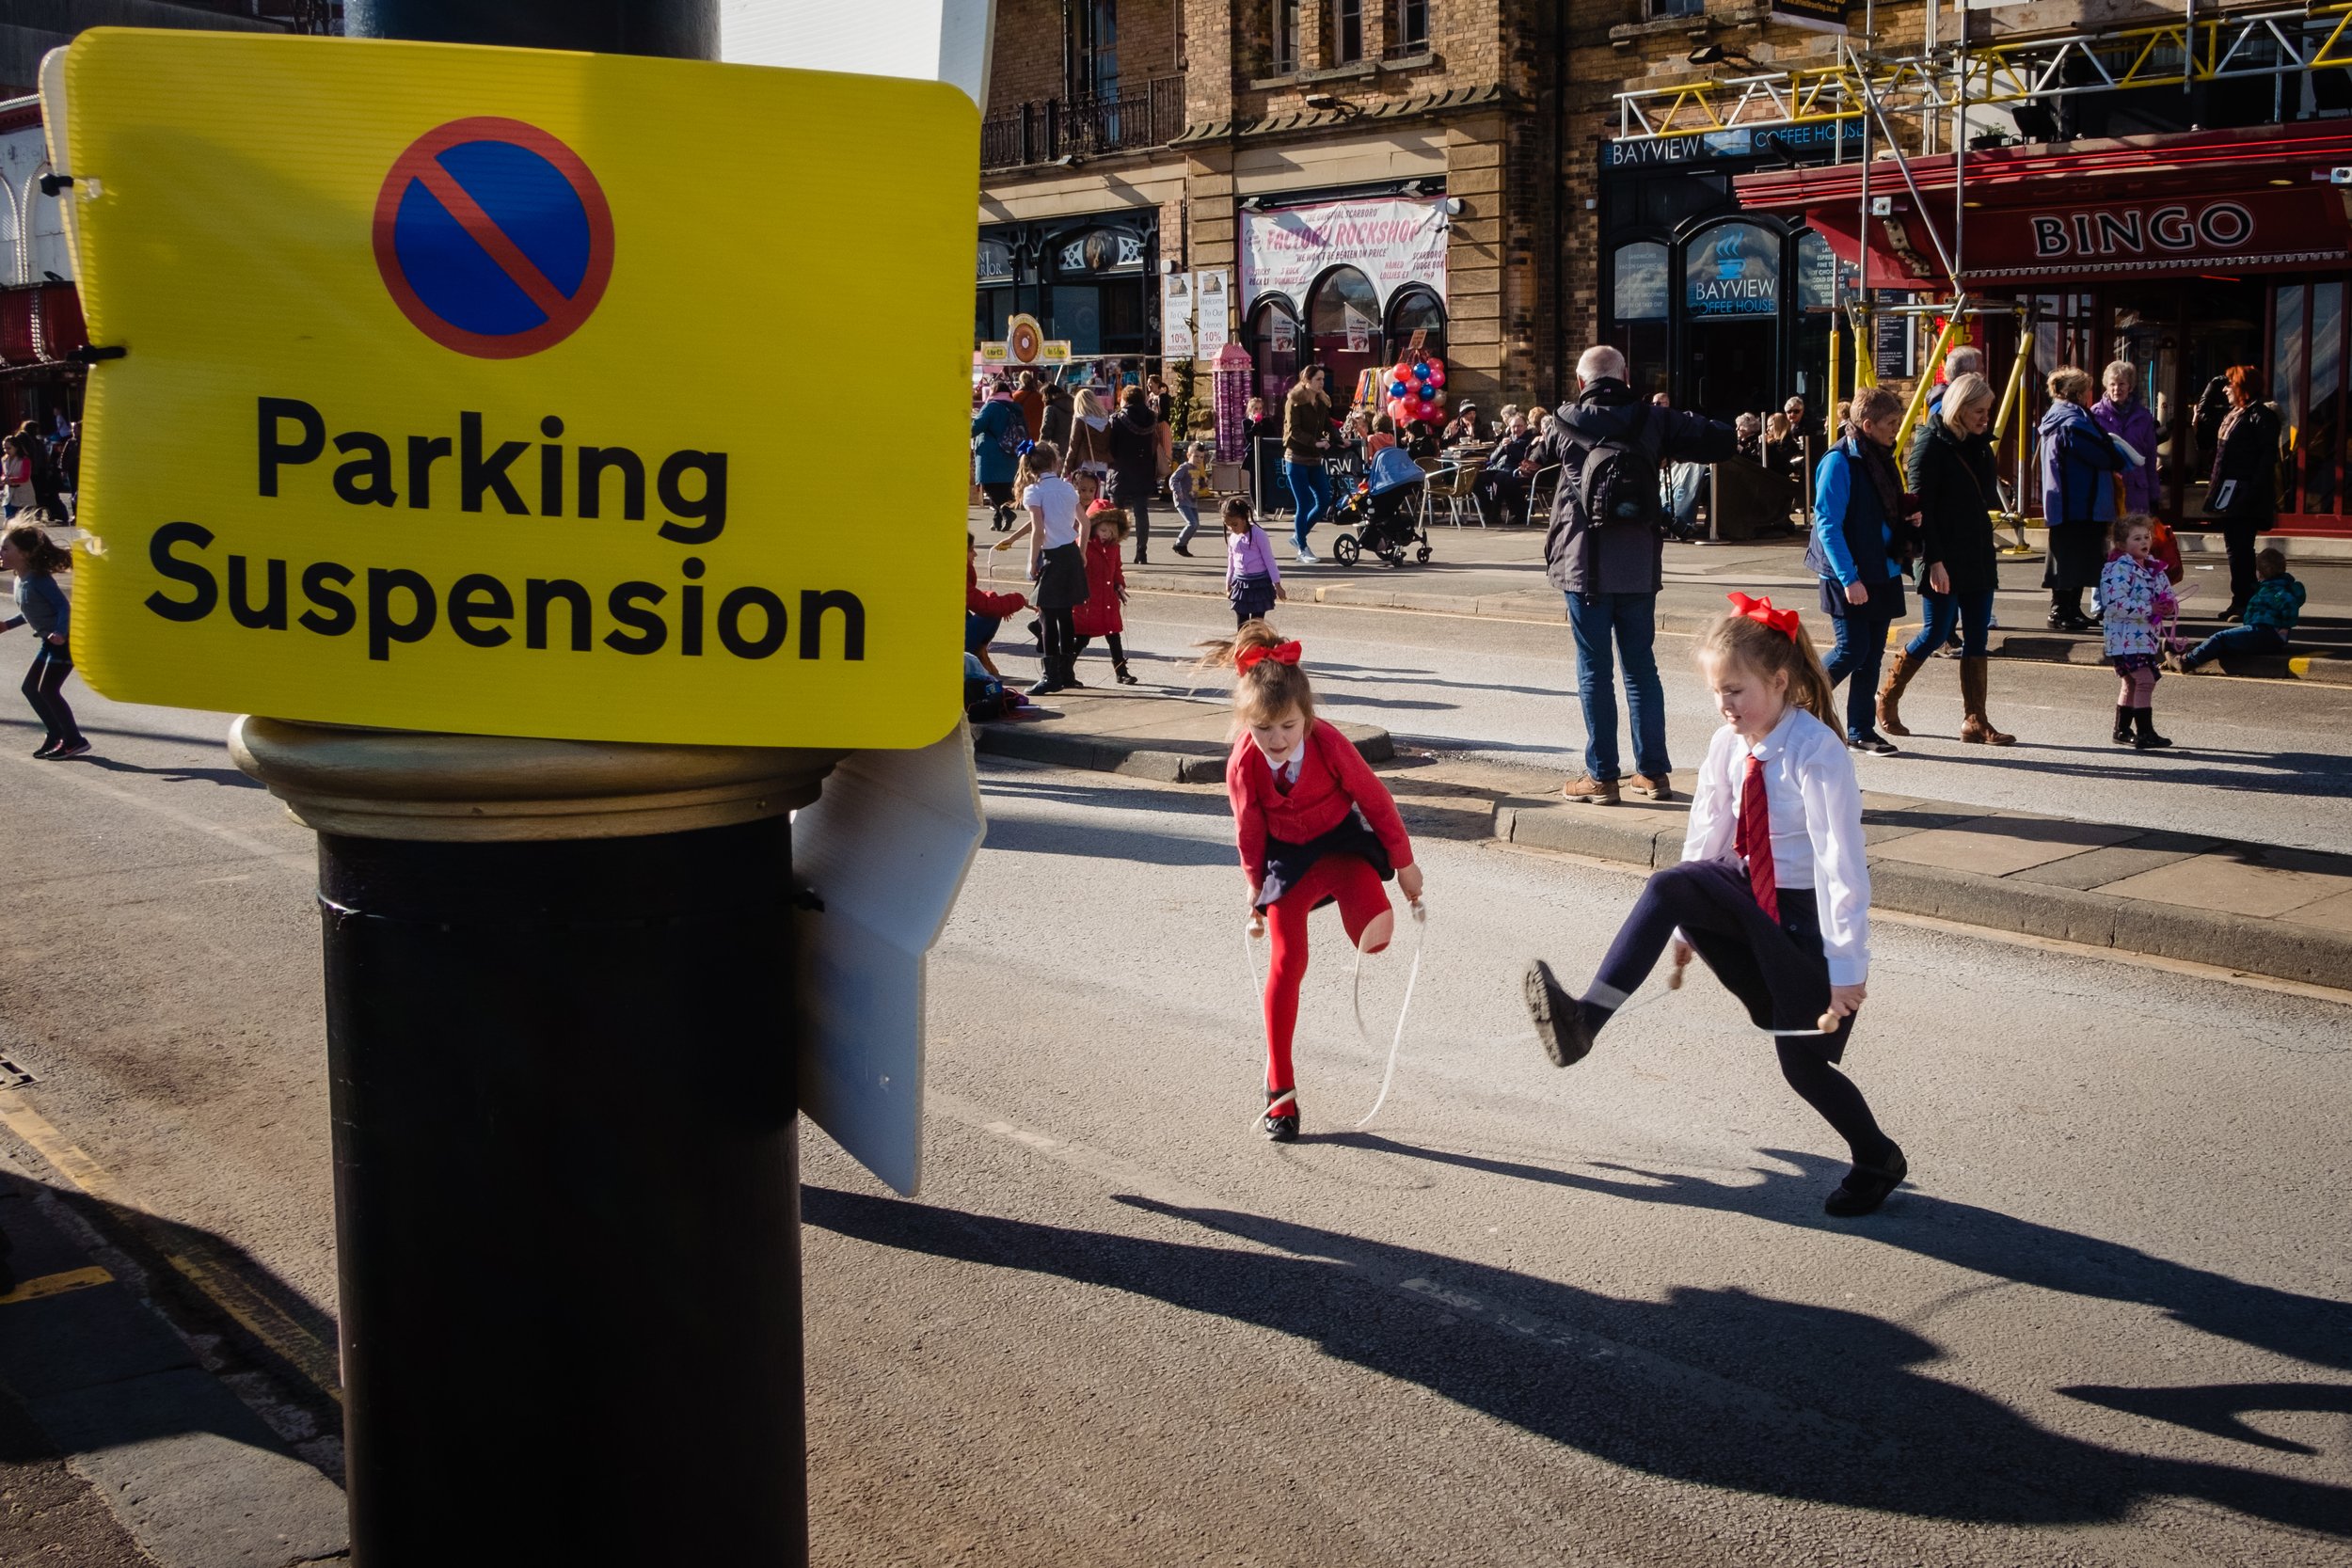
[1315, 826]
[1106, 586]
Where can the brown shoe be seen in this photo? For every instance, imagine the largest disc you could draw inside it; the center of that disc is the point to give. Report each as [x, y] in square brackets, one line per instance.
[1592, 791]
[1661, 787]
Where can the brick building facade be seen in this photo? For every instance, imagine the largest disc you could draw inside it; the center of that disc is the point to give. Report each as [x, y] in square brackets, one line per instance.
[1410, 144]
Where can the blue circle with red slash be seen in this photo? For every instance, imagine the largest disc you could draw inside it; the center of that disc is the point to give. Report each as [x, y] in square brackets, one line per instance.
[493, 237]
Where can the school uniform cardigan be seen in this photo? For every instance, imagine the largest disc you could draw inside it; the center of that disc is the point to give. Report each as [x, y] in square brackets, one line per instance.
[1333, 780]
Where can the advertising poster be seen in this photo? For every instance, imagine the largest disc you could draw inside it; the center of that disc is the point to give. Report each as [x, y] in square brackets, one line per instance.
[1392, 240]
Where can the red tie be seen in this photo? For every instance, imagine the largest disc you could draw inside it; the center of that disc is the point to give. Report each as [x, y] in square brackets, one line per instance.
[1756, 839]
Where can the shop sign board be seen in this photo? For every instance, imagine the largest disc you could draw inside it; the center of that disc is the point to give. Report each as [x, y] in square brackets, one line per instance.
[380, 449]
[1176, 341]
[1391, 240]
[1212, 302]
[1802, 142]
[2245, 229]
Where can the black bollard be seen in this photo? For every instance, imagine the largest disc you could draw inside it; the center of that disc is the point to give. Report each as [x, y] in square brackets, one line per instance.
[558, 1032]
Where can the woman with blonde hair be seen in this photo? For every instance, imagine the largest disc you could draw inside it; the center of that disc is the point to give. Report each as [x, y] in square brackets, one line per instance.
[1089, 438]
[1952, 474]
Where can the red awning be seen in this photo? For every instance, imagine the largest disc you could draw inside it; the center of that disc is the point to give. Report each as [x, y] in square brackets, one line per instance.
[2230, 201]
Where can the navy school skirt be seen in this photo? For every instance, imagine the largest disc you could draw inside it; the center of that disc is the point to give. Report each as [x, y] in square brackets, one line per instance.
[1287, 863]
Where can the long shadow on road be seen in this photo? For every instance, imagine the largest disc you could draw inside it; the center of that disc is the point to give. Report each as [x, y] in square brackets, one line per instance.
[2310, 1328]
[1776, 1398]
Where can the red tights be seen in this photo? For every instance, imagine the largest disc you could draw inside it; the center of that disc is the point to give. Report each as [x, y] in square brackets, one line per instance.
[1361, 900]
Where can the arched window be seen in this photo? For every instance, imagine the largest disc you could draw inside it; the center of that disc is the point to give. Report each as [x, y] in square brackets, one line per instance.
[1639, 304]
[47, 253]
[1415, 309]
[1344, 329]
[1731, 269]
[1273, 344]
[11, 239]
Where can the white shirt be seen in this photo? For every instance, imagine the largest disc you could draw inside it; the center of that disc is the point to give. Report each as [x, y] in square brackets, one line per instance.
[1057, 501]
[1814, 805]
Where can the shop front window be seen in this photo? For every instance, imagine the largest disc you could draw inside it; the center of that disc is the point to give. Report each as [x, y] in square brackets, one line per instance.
[1273, 344]
[1731, 299]
[2287, 359]
[2324, 430]
[1415, 309]
[1639, 300]
[1343, 324]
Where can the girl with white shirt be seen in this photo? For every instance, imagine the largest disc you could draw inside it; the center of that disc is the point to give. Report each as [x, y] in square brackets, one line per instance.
[1056, 566]
[1773, 891]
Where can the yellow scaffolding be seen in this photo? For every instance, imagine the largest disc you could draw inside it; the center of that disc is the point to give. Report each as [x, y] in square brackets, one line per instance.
[2269, 42]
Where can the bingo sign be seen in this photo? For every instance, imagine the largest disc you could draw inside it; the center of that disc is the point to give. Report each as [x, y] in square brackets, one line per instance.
[381, 446]
[1732, 270]
[493, 237]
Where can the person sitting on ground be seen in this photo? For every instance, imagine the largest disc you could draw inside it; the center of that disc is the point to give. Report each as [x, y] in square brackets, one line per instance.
[2271, 611]
[983, 611]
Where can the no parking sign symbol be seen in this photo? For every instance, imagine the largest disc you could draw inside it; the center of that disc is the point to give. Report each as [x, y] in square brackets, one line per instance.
[493, 237]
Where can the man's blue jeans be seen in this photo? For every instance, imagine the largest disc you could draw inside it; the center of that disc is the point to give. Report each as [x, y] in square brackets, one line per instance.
[1630, 622]
[1973, 613]
[1311, 497]
[2235, 639]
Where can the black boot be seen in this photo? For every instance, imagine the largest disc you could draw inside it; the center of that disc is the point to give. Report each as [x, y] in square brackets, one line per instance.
[2148, 739]
[2123, 725]
[1124, 678]
[1280, 1122]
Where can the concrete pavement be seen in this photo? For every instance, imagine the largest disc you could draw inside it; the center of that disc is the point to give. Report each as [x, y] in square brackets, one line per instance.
[1499, 573]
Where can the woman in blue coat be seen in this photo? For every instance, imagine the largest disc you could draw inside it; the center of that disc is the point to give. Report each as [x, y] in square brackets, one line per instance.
[1864, 529]
[998, 431]
[2077, 497]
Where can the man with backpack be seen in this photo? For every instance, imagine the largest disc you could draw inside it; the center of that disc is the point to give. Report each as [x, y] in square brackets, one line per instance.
[1606, 552]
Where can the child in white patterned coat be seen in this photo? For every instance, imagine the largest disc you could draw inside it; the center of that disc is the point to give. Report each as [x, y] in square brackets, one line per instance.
[2135, 600]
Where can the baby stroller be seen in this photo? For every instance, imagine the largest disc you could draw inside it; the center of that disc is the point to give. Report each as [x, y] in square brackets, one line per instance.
[1384, 509]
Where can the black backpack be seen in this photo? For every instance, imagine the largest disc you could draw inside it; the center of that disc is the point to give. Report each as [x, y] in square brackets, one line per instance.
[1617, 482]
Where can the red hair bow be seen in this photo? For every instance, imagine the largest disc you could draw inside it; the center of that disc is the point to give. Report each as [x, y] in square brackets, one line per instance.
[1281, 653]
[1761, 611]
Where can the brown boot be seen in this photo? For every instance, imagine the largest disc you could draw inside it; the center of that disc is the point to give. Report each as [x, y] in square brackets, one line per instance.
[1976, 727]
[1891, 695]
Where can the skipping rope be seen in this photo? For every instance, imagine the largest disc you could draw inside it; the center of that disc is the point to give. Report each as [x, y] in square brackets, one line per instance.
[1250, 938]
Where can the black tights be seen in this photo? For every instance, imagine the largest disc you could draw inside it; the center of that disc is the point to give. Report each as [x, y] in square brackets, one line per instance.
[1057, 633]
[1119, 651]
[42, 683]
[1775, 968]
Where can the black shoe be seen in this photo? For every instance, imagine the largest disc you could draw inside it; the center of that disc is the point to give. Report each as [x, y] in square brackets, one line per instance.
[1142, 560]
[2234, 612]
[1280, 1129]
[1873, 742]
[1126, 679]
[1558, 1017]
[1045, 687]
[2070, 620]
[40, 753]
[2147, 740]
[77, 746]
[2123, 726]
[1180, 550]
[1866, 1186]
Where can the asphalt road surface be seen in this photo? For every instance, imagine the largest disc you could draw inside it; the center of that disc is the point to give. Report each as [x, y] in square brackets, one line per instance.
[1530, 1316]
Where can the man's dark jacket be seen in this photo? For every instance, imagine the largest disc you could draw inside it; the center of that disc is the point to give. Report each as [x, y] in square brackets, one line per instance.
[1624, 558]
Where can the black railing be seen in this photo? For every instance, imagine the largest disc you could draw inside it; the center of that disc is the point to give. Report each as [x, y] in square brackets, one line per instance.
[1043, 131]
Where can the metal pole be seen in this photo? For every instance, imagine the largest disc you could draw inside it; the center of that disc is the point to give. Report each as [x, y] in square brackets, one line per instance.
[559, 1036]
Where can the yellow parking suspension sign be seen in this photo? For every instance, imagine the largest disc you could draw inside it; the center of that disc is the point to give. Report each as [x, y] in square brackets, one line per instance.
[503, 392]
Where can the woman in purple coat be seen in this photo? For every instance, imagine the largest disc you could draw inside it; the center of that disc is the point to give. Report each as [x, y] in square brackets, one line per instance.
[2122, 414]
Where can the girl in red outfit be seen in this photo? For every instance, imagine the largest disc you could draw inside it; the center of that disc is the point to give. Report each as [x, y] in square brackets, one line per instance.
[1106, 586]
[1315, 825]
